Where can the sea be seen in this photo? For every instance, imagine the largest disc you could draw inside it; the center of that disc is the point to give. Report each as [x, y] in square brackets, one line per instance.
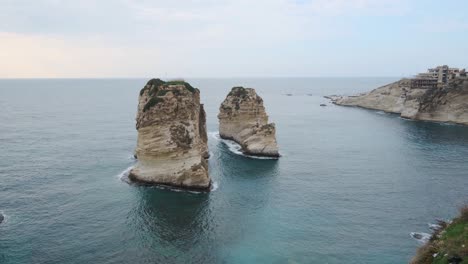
[350, 187]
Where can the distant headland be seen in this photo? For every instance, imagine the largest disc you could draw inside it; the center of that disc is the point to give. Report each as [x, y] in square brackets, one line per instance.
[440, 95]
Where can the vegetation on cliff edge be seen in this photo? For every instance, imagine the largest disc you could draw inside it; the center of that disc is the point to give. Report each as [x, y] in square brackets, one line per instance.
[448, 244]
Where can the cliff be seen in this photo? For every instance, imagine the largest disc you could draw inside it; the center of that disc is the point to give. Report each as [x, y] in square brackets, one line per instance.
[172, 140]
[448, 104]
[448, 244]
[242, 118]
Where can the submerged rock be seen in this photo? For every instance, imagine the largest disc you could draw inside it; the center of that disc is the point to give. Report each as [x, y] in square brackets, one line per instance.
[242, 118]
[1, 218]
[323, 105]
[172, 140]
[447, 104]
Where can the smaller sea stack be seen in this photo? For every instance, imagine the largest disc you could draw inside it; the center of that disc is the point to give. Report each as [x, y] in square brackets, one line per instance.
[242, 118]
[172, 142]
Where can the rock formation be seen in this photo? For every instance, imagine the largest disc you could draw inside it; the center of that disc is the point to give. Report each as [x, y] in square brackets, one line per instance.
[242, 118]
[172, 142]
[447, 104]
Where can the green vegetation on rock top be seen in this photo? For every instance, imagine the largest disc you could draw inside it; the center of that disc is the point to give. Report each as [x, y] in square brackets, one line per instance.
[154, 86]
[238, 91]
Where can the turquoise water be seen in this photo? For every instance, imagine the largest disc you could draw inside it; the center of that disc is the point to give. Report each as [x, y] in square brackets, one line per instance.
[350, 187]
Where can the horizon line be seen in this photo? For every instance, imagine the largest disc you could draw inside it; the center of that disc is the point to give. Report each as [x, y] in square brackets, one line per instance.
[174, 78]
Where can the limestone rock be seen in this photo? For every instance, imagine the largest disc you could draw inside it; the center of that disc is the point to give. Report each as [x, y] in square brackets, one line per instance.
[172, 141]
[448, 104]
[242, 118]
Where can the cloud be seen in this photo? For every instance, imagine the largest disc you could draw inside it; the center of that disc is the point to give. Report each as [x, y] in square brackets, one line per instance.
[441, 25]
[25, 55]
[122, 38]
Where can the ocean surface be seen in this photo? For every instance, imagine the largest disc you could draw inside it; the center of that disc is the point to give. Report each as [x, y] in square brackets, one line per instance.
[351, 186]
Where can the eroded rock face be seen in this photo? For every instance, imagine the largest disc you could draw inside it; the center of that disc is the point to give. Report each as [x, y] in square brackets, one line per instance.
[242, 118]
[449, 104]
[172, 142]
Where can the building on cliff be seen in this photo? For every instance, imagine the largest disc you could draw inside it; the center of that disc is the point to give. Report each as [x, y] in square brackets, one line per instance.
[437, 77]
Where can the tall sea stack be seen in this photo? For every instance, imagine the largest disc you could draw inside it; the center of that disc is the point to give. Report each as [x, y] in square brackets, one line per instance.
[172, 142]
[242, 118]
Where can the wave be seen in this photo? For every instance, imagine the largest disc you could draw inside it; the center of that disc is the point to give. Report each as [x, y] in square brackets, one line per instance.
[123, 176]
[434, 227]
[234, 147]
[421, 237]
[5, 218]
[214, 186]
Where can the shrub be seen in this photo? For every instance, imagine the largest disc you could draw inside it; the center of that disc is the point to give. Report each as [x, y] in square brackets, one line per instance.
[152, 84]
[152, 102]
[156, 82]
[162, 92]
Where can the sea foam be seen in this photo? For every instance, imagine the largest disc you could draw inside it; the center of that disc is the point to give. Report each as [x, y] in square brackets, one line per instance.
[421, 237]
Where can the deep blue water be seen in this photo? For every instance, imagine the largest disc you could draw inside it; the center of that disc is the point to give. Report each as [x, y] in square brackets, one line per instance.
[350, 187]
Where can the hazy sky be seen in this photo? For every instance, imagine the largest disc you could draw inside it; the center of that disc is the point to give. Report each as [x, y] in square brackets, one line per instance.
[230, 38]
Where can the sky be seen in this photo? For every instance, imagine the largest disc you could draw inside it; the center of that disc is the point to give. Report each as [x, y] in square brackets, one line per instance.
[230, 38]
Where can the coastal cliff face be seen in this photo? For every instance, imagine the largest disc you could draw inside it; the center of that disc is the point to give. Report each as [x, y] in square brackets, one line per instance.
[172, 141]
[242, 118]
[448, 104]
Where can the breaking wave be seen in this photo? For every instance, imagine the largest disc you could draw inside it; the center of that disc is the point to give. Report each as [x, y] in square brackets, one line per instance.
[421, 237]
[123, 176]
[5, 218]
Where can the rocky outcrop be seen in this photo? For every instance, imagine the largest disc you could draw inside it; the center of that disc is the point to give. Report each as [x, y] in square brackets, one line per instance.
[242, 118]
[172, 141]
[448, 104]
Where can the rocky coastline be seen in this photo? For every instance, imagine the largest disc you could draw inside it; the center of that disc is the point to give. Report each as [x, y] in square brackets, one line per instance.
[444, 104]
[172, 140]
[243, 119]
[448, 243]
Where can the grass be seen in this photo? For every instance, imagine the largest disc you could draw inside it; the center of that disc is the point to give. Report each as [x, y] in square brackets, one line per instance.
[450, 243]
